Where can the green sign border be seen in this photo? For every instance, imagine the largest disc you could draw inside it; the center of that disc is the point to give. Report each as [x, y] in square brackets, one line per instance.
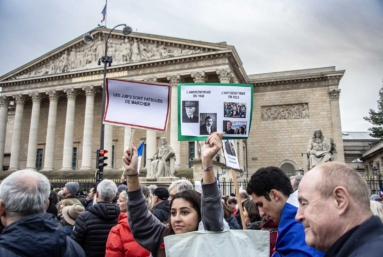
[203, 138]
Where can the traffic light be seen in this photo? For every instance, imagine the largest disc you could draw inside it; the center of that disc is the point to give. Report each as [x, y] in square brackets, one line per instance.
[101, 158]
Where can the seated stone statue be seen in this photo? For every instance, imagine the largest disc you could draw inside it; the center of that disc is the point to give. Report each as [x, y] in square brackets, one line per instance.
[320, 149]
[160, 165]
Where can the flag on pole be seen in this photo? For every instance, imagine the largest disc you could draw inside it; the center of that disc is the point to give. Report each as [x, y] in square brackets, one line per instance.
[140, 152]
[103, 13]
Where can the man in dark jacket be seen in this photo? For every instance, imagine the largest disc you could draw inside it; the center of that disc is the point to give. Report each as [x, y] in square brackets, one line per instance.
[29, 231]
[161, 205]
[334, 208]
[92, 227]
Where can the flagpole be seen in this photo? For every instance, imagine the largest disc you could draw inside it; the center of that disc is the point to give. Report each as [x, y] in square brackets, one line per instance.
[106, 12]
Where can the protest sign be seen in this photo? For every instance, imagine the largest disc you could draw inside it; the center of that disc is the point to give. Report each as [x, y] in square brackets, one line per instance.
[137, 104]
[210, 107]
[230, 154]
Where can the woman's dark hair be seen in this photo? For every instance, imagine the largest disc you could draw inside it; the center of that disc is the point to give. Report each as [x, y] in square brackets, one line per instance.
[194, 198]
[226, 211]
[252, 210]
[53, 197]
[232, 200]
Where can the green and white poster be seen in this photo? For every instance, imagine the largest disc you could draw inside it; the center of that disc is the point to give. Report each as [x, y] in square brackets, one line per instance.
[214, 107]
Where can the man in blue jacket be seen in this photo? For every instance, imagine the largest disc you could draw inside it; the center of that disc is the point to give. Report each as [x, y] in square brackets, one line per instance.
[29, 231]
[272, 192]
[334, 208]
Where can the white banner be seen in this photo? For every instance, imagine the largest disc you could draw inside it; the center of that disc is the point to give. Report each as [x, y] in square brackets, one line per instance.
[137, 104]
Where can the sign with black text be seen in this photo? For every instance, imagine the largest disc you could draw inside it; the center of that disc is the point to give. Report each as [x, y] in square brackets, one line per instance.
[137, 104]
[205, 108]
[230, 154]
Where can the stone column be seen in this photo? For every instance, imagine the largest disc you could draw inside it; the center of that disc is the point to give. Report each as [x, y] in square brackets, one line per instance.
[4, 102]
[224, 75]
[69, 126]
[86, 163]
[16, 137]
[336, 123]
[151, 143]
[108, 145]
[51, 131]
[33, 130]
[174, 143]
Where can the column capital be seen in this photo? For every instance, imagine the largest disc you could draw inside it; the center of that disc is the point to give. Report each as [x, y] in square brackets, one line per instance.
[198, 77]
[20, 99]
[151, 79]
[334, 94]
[71, 93]
[4, 101]
[89, 90]
[53, 95]
[174, 79]
[224, 75]
[36, 97]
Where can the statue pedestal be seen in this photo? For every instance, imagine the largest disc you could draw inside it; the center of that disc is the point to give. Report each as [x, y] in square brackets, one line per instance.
[160, 182]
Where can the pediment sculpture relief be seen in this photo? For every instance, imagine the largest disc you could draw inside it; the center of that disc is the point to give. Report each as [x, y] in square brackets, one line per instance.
[127, 50]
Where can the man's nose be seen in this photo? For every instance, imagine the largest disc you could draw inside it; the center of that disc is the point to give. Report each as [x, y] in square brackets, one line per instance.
[262, 213]
[299, 216]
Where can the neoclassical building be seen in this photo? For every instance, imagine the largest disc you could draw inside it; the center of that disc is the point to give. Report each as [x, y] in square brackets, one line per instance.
[50, 108]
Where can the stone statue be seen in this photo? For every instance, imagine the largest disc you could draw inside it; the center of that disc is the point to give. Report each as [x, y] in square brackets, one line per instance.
[160, 165]
[99, 48]
[320, 149]
[135, 52]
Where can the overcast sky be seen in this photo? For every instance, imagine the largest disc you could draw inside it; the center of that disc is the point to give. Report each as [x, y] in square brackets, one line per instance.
[269, 36]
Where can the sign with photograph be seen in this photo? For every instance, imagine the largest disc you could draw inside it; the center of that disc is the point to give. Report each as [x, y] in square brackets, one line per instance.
[230, 154]
[210, 107]
[137, 104]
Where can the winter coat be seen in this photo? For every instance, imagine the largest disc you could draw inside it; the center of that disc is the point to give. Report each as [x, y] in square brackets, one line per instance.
[256, 225]
[38, 235]
[233, 223]
[121, 243]
[92, 227]
[162, 211]
[363, 240]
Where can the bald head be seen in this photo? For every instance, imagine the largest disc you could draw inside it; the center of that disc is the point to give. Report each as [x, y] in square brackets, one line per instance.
[330, 175]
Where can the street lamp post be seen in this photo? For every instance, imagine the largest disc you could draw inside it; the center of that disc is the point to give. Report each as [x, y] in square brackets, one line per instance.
[377, 173]
[88, 38]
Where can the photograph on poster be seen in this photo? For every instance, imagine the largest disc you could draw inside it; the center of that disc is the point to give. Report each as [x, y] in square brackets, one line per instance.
[234, 110]
[230, 154]
[190, 111]
[214, 104]
[208, 123]
[235, 127]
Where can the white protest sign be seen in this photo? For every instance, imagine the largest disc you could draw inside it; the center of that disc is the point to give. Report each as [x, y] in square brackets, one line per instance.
[137, 104]
[210, 107]
[230, 154]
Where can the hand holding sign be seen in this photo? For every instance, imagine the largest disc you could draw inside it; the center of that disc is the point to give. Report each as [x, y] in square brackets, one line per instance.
[211, 147]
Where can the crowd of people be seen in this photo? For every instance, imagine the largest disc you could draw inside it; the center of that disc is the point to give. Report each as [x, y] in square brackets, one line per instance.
[327, 212]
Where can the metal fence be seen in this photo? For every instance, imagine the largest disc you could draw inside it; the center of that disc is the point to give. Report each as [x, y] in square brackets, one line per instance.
[227, 188]
[84, 184]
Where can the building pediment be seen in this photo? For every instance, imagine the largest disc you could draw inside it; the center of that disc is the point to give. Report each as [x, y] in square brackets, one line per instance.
[76, 56]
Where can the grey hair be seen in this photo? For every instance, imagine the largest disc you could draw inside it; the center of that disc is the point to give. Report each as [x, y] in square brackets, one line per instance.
[297, 180]
[106, 190]
[24, 193]
[152, 188]
[181, 185]
[124, 195]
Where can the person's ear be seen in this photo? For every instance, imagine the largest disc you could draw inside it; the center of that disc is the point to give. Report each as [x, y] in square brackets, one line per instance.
[274, 195]
[47, 204]
[2, 209]
[341, 199]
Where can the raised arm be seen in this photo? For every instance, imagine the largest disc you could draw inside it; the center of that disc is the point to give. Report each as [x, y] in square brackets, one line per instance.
[211, 209]
[146, 229]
